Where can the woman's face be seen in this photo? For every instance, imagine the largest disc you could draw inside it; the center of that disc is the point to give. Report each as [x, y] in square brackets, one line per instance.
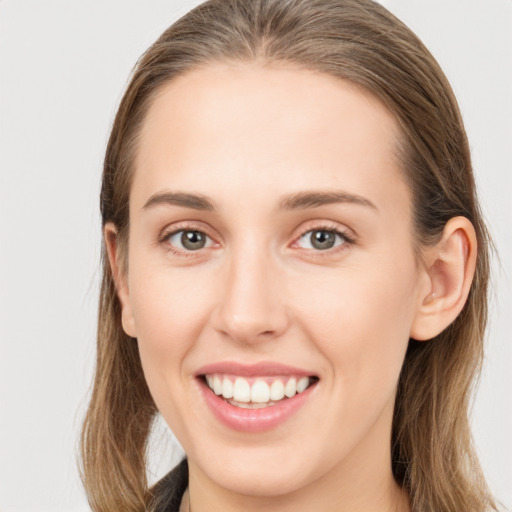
[271, 254]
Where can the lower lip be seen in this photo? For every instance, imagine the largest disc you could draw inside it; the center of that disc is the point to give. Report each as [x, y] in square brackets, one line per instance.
[253, 420]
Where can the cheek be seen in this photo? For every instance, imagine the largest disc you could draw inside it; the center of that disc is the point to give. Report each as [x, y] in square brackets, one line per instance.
[168, 310]
[360, 321]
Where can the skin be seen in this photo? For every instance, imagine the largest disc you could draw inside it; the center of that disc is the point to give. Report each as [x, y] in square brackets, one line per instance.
[249, 137]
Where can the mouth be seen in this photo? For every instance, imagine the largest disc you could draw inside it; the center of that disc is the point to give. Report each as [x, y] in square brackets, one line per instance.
[255, 398]
[257, 392]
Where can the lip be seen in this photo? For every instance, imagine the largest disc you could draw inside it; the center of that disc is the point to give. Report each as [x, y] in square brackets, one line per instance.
[253, 420]
[262, 369]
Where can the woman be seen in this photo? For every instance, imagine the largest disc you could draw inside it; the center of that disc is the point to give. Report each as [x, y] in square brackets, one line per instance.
[295, 269]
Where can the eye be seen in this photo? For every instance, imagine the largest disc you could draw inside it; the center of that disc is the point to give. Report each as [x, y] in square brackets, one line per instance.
[189, 240]
[321, 239]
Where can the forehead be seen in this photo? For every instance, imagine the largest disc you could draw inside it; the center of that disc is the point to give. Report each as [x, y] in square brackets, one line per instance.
[241, 126]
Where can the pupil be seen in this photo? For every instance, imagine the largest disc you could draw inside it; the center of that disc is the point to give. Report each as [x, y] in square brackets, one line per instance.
[322, 239]
[193, 240]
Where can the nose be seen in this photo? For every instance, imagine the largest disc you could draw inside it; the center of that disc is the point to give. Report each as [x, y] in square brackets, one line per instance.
[251, 306]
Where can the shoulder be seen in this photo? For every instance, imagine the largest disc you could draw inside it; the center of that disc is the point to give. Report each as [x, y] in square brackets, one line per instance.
[168, 491]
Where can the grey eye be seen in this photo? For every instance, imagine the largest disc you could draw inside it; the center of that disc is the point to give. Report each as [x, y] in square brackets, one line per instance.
[193, 240]
[321, 239]
[190, 240]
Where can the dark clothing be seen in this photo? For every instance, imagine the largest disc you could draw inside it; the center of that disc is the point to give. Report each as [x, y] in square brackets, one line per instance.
[169, 490]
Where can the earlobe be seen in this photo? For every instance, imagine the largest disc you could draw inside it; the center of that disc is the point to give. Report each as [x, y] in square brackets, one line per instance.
[449, 270]
[120, 278]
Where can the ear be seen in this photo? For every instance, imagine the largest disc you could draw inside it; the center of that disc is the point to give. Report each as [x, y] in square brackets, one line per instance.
[449, 268]
[120, 278]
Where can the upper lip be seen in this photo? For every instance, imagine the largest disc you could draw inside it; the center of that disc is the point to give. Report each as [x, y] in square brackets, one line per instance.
[261, 369]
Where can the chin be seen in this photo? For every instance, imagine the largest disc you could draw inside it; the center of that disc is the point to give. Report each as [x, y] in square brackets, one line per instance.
[260, 481]
[263, 471]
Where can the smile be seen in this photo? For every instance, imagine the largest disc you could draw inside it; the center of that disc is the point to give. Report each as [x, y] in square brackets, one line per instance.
[259, 392]
[257, 397]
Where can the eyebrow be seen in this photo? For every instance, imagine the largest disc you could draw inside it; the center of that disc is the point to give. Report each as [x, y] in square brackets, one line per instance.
[315, 199]
[298, 201]
[184, 199]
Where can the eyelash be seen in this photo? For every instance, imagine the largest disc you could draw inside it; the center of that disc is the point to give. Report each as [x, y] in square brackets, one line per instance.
[346, 239]
[342, 234]
[164, 239]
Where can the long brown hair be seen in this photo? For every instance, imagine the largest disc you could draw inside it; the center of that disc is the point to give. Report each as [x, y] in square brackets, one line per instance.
[359, 41]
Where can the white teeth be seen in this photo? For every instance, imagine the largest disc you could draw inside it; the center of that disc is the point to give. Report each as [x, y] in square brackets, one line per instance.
[217, 385]
[291, 387]
[260, 393]
[227, 388]
[302, 384]
[242, 390]
[277, 390]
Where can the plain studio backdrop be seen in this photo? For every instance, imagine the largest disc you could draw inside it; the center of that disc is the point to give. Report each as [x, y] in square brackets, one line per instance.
[64, 65]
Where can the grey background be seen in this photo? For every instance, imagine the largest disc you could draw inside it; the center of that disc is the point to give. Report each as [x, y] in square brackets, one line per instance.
[63, 68]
